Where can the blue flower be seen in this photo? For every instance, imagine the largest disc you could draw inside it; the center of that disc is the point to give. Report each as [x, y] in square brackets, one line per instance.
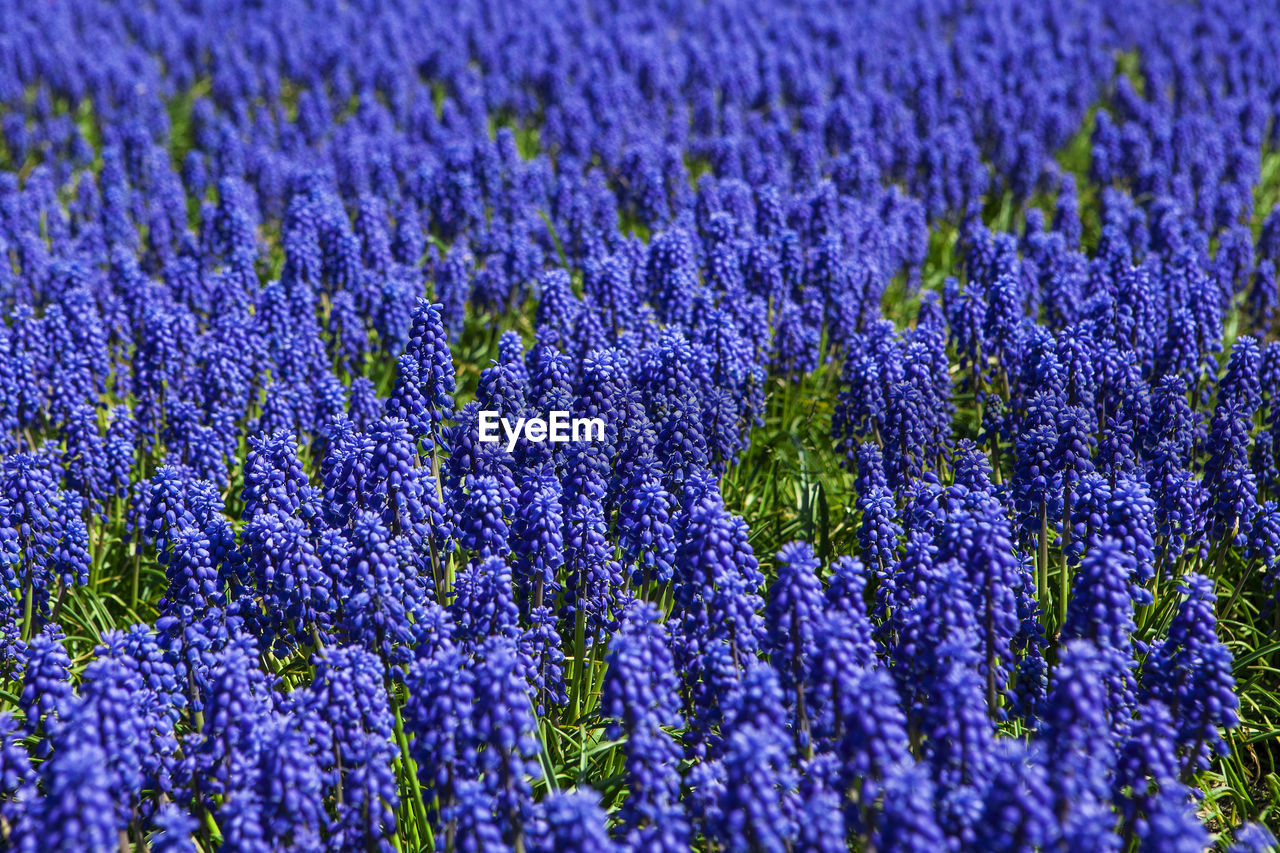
[1191, 671]
[438, 717]
[759, 807]
[906, 822]
[792, 616]
[1079, 745]
[1018, 816]
[506, 735]
[640, 693]
[575, 823]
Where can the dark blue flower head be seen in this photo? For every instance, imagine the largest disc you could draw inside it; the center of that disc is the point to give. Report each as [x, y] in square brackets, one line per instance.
[16, 773]
[594, 585]
[1102, 600]
[85, 459]
[287, 572]
[1078, 743]
[471, 817]
[541, 648]
[438, 716]
[1173, 825]
[77, 811]
[880, 529]
[1191, 671]
[1018, 816]
[347, 700]
[645, 533]
[759, 808]
[1253, 838]
[381, 595]
[575, 823]
[483, 526]
[537, 537]
[1148, 766]
[872, 739]
[907, 821]
[795, 604]
[715, 585]
[46, 677]
[1037, 479]
[640, 693]
[506, 733]
[484, 604]
[274, 479]
[426, 384]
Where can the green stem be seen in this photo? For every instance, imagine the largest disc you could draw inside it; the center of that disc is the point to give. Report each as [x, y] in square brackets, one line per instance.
[1042, 557]
[1064, 585]
[580, 652]
[595, 670]
[1248, 575]
[28, 596]
[415, 787]
[136, 574]
[1068, 531]
[57, 605]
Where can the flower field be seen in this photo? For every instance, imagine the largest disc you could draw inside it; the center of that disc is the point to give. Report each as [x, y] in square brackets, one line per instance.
[786, 426]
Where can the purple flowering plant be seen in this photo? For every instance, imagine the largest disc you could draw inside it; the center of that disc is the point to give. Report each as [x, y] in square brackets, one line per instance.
[919, 480]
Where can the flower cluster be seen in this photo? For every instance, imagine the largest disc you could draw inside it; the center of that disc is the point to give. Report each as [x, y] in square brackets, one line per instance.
[998, 264]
